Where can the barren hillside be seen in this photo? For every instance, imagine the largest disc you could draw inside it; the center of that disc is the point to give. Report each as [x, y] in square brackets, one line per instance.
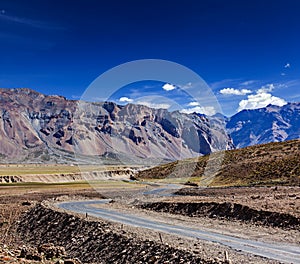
[268, 164]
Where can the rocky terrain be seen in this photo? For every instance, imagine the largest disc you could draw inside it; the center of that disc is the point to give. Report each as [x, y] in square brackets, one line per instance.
[96, 241]
[31, 232]
[35, 233]
[230, 211]
[268, 124]
[284, 200]
[49, 128]
[41, 128]
[14, 204]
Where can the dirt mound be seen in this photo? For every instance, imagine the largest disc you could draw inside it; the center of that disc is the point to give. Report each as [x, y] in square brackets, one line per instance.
[227, 211]
[95, 241]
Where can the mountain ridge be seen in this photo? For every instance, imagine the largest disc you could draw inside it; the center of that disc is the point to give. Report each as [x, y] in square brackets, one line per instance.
[48, 128]
[268, 124]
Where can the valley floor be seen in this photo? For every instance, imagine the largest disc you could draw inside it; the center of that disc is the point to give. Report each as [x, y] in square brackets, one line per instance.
[15, 201]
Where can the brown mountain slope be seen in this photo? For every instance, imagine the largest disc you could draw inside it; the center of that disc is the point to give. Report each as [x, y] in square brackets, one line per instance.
[40, 128]
[268, 164]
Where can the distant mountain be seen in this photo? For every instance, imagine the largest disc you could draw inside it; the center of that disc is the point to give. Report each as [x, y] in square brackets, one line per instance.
[269, 124]
[40, 128]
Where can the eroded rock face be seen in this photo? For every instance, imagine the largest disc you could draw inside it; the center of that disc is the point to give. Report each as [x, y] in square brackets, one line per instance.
[34, 126]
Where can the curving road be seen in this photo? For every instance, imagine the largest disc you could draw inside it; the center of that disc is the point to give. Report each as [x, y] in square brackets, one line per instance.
[285, 253]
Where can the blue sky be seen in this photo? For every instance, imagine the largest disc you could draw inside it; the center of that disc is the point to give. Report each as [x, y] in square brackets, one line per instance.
[247, 51]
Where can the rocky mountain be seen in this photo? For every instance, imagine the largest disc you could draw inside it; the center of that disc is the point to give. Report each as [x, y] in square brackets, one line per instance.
[41, 128]
[269, 124]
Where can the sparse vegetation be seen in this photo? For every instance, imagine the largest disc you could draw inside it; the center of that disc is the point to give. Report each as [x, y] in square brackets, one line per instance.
[268, 164]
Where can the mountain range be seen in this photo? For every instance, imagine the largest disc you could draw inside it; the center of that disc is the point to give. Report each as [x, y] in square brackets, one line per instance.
[264, 125]
[48, 128]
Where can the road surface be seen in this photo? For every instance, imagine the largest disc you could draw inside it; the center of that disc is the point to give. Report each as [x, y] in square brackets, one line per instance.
[285, 253]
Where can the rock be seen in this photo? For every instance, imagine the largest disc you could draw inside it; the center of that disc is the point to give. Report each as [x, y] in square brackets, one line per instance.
[132, 178]
[34, 257]
[69, 261]
[191, 184]
[50, 251]
[72, 261]
[26, 203]
[23, 252]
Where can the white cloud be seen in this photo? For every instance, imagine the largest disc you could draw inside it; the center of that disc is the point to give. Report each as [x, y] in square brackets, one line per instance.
[266, 88]
[168, 87]
[154, 105]
[233, 91]
[125, 99]
[207, 110]
[224, 83]
[288, 65]
[193, 104]
[259, 100]
[262, 98]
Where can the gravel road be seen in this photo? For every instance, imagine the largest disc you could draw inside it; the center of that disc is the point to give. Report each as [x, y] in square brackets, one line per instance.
[285, 253]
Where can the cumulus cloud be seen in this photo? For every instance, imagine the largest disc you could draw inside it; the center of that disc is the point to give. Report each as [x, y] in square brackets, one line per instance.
[193, 104]
[207, 110]
[125, 99]
[232, 91]
[259, 100]
[266, 88]
[168, 87]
